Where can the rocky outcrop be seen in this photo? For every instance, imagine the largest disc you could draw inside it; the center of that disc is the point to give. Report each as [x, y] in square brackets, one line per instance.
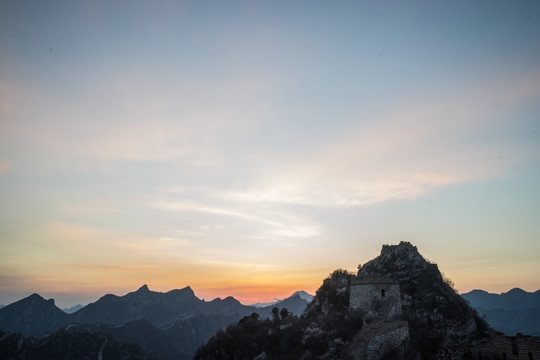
[434, 310]
[381, 339]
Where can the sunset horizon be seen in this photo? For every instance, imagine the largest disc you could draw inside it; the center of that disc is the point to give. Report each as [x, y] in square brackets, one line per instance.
[251, 148]
[246, 294]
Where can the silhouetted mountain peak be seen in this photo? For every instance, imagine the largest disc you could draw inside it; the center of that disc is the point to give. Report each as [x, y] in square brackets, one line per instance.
[230, 299]
[158, 308]
[294, 303]
[185, 292]
[301, 294]
[23, 315]
[295, 297]
[36, 300]
[516, 291]
[143, 288]
[72, 309]
[478, 291]
[304, 295]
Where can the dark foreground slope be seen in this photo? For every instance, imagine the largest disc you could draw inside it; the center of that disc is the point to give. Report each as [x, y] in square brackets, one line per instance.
[323, 332]
[70, 343]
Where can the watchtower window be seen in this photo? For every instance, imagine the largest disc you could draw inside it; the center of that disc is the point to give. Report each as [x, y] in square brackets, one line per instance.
[515, 351]
[382, 293]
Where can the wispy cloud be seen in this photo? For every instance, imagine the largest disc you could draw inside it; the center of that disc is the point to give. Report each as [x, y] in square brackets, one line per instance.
[182, 206]
[126, 121]
[272, 228]
[406, 152]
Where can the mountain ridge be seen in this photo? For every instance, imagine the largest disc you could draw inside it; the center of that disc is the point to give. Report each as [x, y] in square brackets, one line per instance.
[301, 293]
[511, 312]
[177, 315]
[418, 315]
[514, 299]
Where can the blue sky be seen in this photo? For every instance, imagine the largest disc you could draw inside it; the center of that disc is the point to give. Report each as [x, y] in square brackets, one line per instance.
[250, 148]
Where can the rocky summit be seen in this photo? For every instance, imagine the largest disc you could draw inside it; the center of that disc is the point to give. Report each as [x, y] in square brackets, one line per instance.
[428, 300]
[411, 307]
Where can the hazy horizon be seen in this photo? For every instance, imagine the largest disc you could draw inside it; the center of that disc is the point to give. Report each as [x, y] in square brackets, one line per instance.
[66, 301]
[248, 149]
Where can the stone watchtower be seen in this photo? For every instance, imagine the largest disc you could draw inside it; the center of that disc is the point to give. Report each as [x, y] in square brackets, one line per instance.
[376, 293]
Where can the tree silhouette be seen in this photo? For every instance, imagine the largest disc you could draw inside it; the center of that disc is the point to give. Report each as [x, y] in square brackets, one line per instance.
[275, 313]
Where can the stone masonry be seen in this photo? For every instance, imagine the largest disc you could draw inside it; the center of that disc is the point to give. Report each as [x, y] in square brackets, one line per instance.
[380, 297]
[376, 293]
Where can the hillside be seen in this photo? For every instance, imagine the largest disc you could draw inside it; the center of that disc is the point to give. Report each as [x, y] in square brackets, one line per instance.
[401, 308]
[70, 343]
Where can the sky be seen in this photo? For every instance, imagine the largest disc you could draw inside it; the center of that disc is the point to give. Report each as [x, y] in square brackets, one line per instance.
[250, 148]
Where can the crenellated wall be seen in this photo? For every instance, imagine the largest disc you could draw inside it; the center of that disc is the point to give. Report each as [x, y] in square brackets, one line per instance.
[499, 346]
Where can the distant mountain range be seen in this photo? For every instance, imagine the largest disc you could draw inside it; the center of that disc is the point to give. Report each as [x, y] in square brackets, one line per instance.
[304, 295]
[516, 311]
[173, 324]
[145, 324]
[72, 309]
